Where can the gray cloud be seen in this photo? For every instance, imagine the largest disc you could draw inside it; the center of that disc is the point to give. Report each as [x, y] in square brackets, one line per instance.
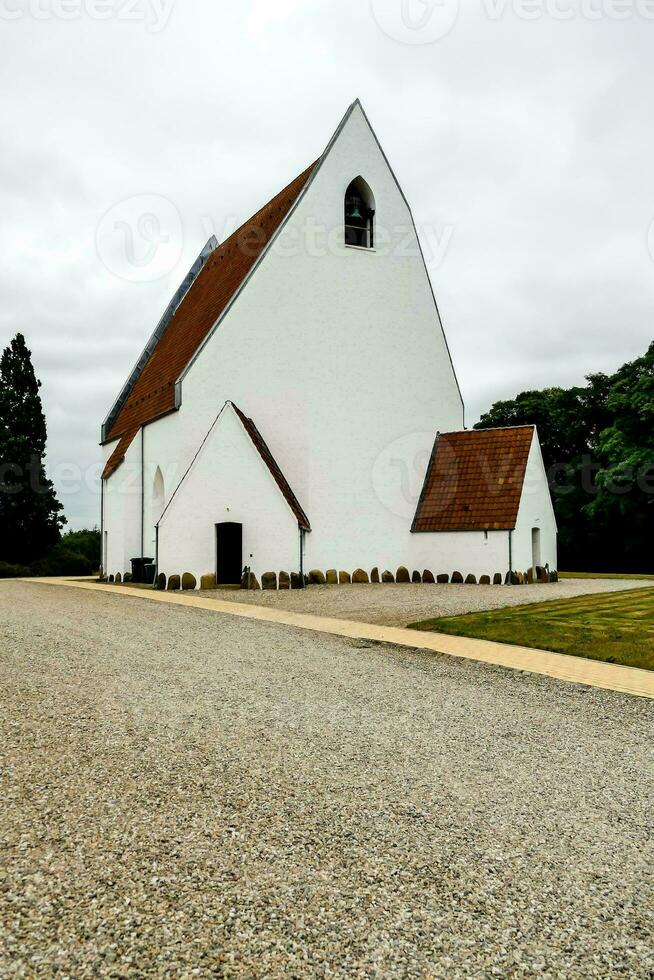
[526, 143]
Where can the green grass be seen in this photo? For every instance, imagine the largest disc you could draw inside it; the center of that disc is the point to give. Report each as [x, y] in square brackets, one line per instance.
[621, 575]
[616, 627]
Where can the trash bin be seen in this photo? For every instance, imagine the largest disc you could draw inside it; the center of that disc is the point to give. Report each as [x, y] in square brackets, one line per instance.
[148, 572]
[138, 565]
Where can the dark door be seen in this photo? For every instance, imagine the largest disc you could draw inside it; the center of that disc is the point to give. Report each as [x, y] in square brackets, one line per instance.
[229, 553]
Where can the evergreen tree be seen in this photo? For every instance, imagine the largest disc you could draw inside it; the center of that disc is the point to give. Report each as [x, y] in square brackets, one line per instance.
[30, 514]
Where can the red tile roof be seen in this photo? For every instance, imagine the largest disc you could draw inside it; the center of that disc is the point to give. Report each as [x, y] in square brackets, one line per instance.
[272, 465]
[474, 480]
[153, 394]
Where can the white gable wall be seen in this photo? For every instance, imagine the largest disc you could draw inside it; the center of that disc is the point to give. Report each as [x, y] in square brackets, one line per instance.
[535, 511]
[335, 353]
[228, 482]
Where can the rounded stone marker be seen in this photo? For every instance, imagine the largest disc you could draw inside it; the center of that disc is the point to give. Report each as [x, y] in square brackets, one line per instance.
[344, 578]
[388, 577]
[428, 577]
[359, 577]
[402, 574]
[174, 583]
[161, 582]
[443, 578]
[470, 580]
[484, 580]
[374, 575]
[497, 578]
[457, 578]
[207, 582]
[316, 577]
[189, 582]
[269, 581]
[284, 580]
[416, 578]
[331, 576]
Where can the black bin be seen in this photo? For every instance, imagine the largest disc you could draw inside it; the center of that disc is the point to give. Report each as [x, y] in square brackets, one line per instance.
[138, 564]
[148, 572]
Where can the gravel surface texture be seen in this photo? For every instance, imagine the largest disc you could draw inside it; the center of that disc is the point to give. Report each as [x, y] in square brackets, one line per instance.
[399, 605]
[190, 794]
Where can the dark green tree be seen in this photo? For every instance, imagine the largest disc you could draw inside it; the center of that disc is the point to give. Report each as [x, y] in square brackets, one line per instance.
[30, 514]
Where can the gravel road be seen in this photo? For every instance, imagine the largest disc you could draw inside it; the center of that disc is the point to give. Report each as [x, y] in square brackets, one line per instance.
[399, 605]
[190, 794]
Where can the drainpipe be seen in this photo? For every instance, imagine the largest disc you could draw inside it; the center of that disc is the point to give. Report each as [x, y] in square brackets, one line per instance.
[302, 557]
[142, 489]
[103, 557]
[156, 555]
[510, 558]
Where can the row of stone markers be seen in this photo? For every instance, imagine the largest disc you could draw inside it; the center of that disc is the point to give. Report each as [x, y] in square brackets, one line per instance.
[272, 581]
[293, 580]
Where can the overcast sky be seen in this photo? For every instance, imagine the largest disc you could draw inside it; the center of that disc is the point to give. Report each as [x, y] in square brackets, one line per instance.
[520, 131]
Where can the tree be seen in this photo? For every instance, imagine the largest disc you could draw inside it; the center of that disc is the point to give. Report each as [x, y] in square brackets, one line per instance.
[598, 448]
[30, 514]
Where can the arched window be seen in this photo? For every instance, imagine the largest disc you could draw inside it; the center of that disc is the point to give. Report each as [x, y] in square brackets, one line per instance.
[359, 215]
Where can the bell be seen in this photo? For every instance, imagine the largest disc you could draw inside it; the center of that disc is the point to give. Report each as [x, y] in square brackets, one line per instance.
[356, 213]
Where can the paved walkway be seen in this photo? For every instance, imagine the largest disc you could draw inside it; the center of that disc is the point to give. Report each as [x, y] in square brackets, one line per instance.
[594, 673]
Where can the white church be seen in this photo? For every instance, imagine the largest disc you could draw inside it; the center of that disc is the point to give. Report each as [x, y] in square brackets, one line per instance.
[296, 407]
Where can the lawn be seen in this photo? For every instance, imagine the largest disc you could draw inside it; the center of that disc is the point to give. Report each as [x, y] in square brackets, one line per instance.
[621, 575]
[617, 627]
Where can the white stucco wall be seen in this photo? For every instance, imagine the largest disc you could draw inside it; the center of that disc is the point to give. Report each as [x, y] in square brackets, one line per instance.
[228, 482]
[535, 511]
[122, 511]
[468, 552]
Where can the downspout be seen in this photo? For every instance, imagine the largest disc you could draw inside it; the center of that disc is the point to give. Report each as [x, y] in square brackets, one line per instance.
[142, 489]
[510, 582]
[103, 557]
[156, 555]
[302, 532]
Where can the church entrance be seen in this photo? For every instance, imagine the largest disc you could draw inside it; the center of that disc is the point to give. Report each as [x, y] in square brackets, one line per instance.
[229, 553]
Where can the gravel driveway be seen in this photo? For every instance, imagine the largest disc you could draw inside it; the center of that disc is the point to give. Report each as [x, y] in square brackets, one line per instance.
[399, 605]
[191, 794]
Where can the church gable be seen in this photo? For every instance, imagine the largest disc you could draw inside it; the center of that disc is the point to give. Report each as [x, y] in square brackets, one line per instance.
[229, 446]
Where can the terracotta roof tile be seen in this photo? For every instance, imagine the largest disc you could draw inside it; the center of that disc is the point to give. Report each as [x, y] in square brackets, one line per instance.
[153, 394]
[272, 465]
[474, 480]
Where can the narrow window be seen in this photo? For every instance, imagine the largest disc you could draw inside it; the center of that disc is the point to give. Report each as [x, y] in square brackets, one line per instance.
[359, 215]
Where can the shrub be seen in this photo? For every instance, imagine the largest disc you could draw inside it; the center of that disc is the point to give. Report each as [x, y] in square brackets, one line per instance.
[188, 582]
[7, 570]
